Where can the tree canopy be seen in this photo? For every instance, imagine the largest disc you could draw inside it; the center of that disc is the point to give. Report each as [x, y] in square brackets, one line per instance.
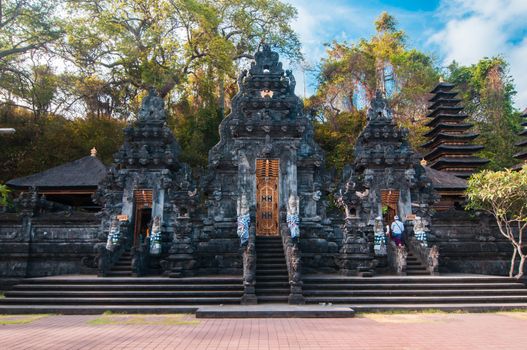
[79, 68]
[352, 72]
[487, 90]
[503, 194]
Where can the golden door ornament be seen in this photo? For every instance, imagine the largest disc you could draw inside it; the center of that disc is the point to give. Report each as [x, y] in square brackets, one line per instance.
[267, 171]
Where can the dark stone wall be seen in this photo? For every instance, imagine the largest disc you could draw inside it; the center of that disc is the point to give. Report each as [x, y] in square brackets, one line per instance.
[320, 245]
[49, 244]
[470, 243]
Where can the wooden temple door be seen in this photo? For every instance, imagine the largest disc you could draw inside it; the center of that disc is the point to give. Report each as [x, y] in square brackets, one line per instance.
[142, 214]
[389, 200]
[267, 197]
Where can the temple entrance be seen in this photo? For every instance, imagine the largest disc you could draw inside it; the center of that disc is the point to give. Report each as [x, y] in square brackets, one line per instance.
[389, 199]
[142, 214]
[267, 171]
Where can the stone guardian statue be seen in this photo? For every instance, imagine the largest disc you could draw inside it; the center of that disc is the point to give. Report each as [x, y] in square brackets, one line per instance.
[293, 218]
[244, 220]
[155, 236]
[114, 235]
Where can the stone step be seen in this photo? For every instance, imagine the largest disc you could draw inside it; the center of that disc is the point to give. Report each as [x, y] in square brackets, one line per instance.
[123, 294]
[119, 264]
[120, 301]
[422, 292]
[125, 287]
[267, 255]
[274, 311]
[420, 299]
[266, 261]
[272, 291]
[467, 307]
[121, 268]
[399, 286]
[135, 280]
[270, 266]
[269, 278]
[112, 273]
[272, 298]
[273, 272]
[406, 280]
[96, 309]
[272, 284]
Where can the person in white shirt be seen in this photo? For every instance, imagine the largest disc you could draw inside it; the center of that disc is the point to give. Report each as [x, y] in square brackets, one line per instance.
[397, 230]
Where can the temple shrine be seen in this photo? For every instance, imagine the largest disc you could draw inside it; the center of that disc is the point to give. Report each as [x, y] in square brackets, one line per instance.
[267, 222]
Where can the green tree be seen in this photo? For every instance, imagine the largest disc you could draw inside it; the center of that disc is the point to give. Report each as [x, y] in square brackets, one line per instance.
[487, 90]
[26, 25]
[352, 72]
[4, 195]
[503, 194]
[28, 29]
[161, 43]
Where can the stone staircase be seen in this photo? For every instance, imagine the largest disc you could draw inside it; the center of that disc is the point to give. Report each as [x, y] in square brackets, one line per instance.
[414, 267]
[85, 295]
[272, 280]
[472, 293]
[123, 267]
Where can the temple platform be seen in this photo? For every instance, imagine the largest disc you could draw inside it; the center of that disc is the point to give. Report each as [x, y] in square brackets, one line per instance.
[220, 296]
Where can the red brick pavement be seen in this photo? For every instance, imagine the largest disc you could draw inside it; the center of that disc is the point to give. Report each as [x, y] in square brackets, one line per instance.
[421, 331]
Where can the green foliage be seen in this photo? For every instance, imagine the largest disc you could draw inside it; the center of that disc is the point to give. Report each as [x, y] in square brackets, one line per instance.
[4, 195]
[26, 25]
[160, 42]
[349, 77]
[40, 144]
[503, 194]
[487, 90]
[337, 137]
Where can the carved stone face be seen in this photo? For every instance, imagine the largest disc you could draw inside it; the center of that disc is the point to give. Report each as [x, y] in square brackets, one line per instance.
[317, 195]
[293, 204]
[243, 205]
[157, 222]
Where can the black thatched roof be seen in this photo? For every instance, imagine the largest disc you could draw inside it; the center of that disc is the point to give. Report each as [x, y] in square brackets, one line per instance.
[86, 172]
[441, 180]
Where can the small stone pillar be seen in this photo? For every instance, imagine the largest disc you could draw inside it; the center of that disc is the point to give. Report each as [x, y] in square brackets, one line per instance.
[355, 255]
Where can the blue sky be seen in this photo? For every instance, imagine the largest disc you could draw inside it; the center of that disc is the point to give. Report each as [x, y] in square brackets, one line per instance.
[461, 30]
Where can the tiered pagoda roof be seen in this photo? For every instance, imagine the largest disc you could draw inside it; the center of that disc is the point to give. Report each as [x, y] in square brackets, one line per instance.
[522, 145]
[450, 145]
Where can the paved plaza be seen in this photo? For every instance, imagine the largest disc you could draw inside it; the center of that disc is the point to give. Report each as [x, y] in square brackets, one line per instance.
[366, 331]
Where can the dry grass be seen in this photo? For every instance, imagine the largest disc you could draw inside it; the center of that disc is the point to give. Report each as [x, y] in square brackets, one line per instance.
[109, 318]
[20, 319]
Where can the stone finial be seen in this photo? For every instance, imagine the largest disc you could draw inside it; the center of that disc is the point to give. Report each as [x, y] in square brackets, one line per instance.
[423, 162]
[441, 79]
[93, 152]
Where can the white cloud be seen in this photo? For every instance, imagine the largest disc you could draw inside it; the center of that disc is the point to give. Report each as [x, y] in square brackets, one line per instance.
[475, 29]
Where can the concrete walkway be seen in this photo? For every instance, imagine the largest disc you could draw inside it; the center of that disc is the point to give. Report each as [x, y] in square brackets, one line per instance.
[365, 331]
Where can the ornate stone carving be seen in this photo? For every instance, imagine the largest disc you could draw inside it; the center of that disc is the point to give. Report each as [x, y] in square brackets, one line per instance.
[155, 236]
[293, 219]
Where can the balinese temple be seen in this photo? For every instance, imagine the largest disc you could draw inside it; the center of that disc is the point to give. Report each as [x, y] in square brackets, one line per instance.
[266, 222]
[70, 184]
[522, 145]
[450, 146]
